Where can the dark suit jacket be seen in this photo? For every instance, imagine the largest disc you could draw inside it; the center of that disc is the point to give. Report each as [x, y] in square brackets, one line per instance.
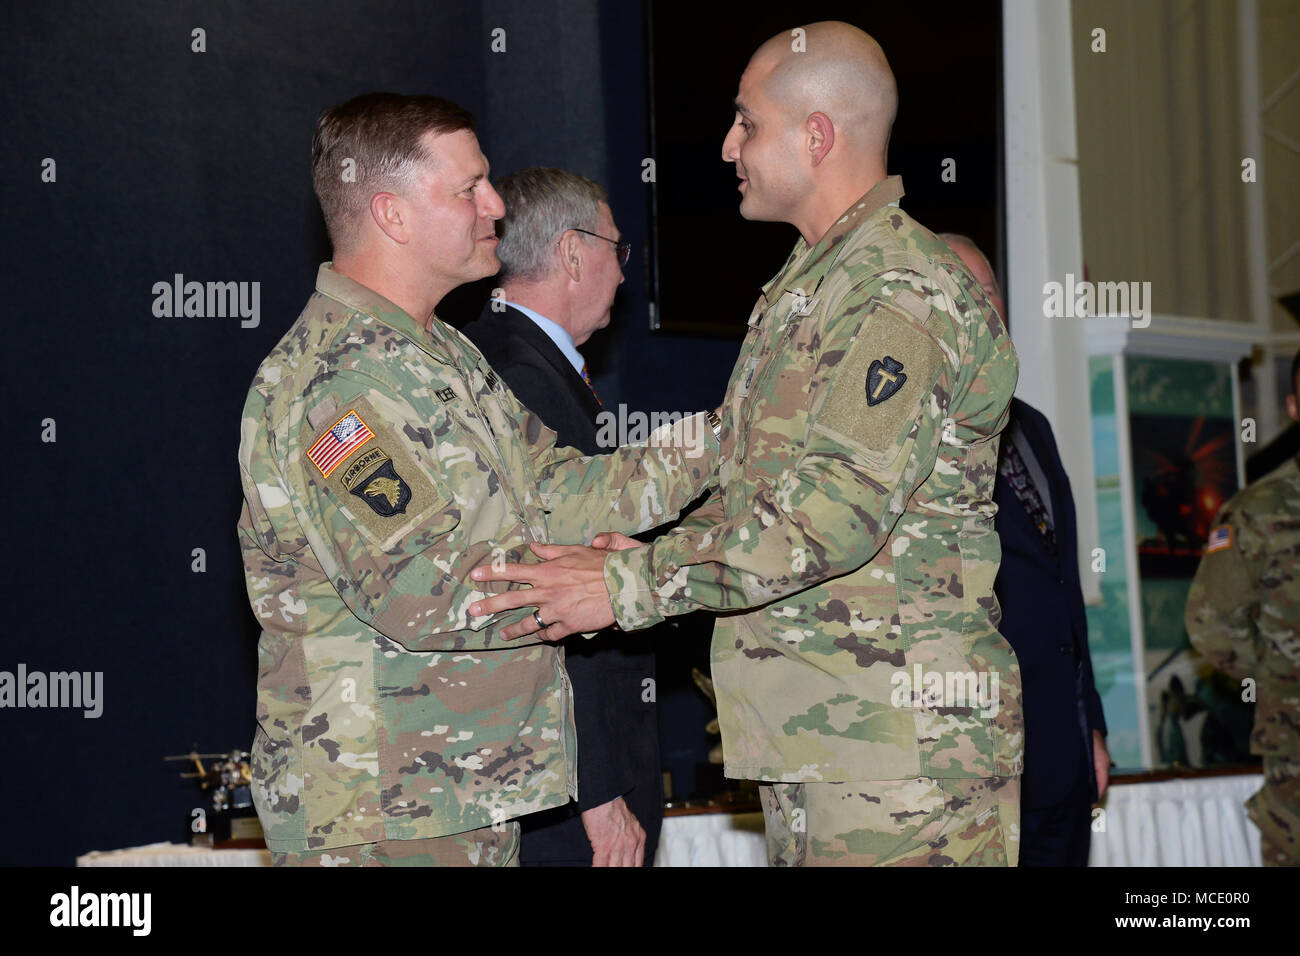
[1044, 621]
[618, 735]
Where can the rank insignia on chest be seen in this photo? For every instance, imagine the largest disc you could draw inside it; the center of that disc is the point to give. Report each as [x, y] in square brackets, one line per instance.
[446, 394]
[374, 480]
[884, 378]
[801, 303]
[491, 379]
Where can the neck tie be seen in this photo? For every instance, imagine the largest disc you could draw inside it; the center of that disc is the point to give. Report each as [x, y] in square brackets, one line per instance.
[1013, 471]
[587, 378]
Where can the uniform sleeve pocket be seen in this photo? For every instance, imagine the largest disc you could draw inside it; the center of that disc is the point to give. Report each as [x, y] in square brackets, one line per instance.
[377, 483]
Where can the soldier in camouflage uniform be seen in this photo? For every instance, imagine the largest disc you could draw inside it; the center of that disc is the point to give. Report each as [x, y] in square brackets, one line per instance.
[1243, 616]
[863, 680]
[381, 460]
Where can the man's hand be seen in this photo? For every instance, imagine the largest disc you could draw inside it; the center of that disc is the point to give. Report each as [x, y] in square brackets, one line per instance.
[1100, 762]
[567, 589]
[616, 837]
[613, 541]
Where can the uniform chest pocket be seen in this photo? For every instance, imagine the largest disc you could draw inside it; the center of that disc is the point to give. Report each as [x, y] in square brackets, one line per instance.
[782, 327]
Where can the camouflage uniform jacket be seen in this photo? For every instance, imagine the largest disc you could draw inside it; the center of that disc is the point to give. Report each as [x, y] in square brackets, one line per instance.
[855, 520]
[380, 463]
[1243, 611]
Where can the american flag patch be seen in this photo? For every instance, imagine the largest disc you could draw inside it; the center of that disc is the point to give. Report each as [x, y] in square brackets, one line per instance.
[1220, 538]
[346, 435]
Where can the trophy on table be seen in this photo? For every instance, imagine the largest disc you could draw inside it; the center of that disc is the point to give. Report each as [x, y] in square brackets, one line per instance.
[232, 820]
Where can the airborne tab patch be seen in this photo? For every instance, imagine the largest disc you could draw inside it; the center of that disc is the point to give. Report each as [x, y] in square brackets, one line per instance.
[343, 438]
[884, 378]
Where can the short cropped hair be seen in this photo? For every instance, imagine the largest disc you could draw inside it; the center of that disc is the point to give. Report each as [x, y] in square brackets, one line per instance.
[954, 239]
[372, 143]
[1295, 374]
[541, 203]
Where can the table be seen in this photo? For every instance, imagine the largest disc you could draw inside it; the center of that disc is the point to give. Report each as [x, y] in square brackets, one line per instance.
[1152, 820]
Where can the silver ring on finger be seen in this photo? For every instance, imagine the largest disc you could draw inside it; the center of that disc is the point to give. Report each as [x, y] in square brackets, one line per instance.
[537, 616]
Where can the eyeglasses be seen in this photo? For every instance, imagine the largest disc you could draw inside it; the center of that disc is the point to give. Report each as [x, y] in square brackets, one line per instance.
[624, 249]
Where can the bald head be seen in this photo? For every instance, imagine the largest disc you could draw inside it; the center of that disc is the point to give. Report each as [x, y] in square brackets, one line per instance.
[979, 267]
[811, 132]
[836, 69]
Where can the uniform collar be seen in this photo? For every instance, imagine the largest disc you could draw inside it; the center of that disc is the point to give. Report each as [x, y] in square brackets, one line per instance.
[354, 295]
[888, 190]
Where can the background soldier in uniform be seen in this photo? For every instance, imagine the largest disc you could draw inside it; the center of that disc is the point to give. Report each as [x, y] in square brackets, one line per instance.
[381, 460]
[1243, 615]
[855, 520]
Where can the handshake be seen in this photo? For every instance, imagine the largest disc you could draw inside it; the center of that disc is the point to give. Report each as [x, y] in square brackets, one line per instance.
[567, 589]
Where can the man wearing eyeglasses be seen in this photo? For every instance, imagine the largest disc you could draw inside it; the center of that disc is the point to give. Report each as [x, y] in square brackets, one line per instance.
[561, 265]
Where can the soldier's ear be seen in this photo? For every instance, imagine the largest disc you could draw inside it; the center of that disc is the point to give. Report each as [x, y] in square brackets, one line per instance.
[390, 215]
[1292, 408]
[821, 136]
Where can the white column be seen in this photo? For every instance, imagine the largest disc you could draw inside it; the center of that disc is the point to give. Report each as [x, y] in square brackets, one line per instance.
[1044, 239]
[1269, 415]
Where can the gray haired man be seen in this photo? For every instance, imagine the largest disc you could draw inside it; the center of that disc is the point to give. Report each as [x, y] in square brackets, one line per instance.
[561, 265]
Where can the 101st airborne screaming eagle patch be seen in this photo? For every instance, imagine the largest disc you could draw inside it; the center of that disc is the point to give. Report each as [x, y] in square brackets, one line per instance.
[362, 458]
[380, 487]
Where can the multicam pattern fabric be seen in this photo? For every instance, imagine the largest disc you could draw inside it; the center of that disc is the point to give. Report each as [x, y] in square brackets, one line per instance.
[385, 711]
[497, 845]
[1243, 616]
[928, 821]
[854, 527]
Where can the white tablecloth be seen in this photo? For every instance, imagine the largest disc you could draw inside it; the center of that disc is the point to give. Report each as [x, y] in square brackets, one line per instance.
[175, 854]
[712, 839]
[1190, 822]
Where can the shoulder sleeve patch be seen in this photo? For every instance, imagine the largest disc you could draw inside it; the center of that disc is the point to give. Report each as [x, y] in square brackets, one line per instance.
[1220, 539]
[882, 384]
[373, 477]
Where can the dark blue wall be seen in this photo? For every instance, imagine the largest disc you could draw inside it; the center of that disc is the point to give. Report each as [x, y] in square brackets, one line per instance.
[171, 161]
[174, 161]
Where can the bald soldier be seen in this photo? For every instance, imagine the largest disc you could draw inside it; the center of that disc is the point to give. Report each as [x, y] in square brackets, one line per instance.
[859, 671]
[1243, 615]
